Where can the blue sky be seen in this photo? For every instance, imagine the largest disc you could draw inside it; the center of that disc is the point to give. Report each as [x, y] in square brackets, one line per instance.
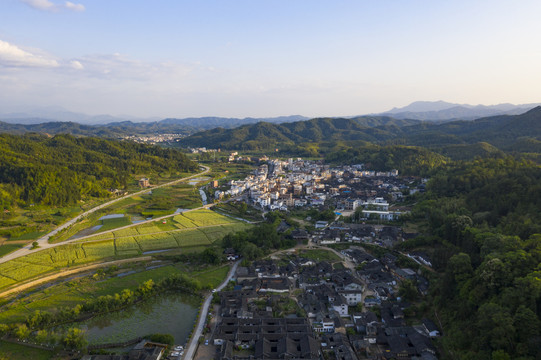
[265, 58]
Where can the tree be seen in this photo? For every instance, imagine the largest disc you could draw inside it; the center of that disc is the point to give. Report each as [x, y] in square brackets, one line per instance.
[4, 329]
[408, 290]
[211, 256]
[42, 336]
[22, 332]
[146, 287]
[251, 251]
[162, 338]
[74, 339]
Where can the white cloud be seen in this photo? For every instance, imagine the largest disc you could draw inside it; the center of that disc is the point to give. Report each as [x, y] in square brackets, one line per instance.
[40, 4]
[74, 7]
[13, 56]
[46, 5]
[76, 65]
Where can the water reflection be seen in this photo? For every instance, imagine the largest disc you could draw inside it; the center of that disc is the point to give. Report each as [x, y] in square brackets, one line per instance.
[170, 314]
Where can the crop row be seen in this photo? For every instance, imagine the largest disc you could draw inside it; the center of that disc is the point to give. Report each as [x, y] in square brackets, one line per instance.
[119, 244]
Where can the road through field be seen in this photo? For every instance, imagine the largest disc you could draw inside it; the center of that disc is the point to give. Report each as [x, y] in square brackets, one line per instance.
[194, 340]
[43, 242]
[64, 273]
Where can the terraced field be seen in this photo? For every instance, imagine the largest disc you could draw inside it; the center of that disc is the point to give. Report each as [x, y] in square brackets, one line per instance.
[192, 231]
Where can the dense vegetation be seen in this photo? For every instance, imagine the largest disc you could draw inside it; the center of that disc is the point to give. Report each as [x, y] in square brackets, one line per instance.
[266, 136]
[259, 240]
[63, 169]
[407, 159]
[458, 139]
[482, 224]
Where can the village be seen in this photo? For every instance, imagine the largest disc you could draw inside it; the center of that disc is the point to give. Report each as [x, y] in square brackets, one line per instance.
[328, 298]
[363, 203]
[298, 183]
[295, 305]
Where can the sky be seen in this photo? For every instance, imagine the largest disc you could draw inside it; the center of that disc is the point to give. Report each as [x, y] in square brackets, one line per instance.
[255, 58]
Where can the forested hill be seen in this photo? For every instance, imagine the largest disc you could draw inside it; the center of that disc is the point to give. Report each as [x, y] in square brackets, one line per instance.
[481, 228]
[506, 132]
[119, 128]
[63, 169]
[264, 135]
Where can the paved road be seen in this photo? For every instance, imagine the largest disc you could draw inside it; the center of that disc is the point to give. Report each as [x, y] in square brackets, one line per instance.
[192, 346]
[43, 242]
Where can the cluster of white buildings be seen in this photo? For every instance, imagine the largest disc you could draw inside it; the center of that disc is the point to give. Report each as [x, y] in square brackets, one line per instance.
[155, 139]
[283, 185]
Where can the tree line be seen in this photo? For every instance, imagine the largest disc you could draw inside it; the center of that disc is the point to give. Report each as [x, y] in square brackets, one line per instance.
[37, 326]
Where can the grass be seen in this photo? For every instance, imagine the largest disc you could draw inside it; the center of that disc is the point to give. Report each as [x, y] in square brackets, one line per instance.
[320, 255]
[234, 209]
[109, 245]
[15, 352]
[29, 236]
[212, 278]
[7, 248]
[76, 291]
[114, 223]
[206, 218]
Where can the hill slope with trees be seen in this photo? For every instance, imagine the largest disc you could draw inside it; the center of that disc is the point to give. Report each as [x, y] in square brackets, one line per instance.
[61, 170]
[491, 134]
[481, 228]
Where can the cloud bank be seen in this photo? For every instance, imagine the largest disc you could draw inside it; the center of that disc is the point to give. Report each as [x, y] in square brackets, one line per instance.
[46, 5]
[13, 56]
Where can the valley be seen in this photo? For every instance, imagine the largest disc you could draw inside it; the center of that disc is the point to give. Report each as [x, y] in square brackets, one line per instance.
[371, 247]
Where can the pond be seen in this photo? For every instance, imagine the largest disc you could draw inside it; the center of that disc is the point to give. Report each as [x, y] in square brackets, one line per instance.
[111, 216]
[173, 314]
[194, 181]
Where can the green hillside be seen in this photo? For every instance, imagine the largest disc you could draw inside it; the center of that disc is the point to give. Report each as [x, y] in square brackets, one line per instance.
[262, 136]
[502, 132]
[61, 170]
[470, 151]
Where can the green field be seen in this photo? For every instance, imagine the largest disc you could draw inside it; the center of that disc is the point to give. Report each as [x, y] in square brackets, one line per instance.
[20, 352]
[122, 244]
[212, 278]
[109, 224]
[71, 293]
[7, 248]
[157, 202]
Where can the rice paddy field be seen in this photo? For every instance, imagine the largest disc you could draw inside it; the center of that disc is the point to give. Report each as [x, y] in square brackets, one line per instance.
[192, 231]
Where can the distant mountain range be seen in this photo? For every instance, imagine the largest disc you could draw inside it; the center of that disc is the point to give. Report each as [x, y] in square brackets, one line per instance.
[505, 132]
[39, 115]
[42, 115]
[433, 124]
[119, 128]
[444, 111]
